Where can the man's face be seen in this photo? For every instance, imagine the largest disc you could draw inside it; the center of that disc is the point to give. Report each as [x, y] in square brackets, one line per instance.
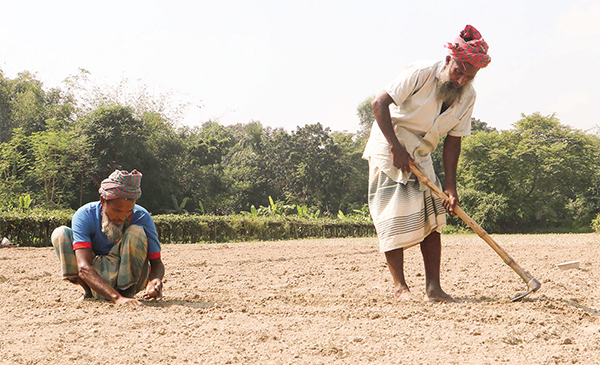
[461, 73]
[118, 210]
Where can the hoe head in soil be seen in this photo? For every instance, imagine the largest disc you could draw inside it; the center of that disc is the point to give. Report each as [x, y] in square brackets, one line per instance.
[532, 286]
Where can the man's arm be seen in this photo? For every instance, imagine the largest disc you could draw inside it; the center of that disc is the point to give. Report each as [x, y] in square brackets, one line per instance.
[452, 147]
[381, 110]
[154, 286]
[87, 273]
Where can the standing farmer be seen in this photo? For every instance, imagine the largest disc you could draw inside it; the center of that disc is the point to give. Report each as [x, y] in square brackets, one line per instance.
[426, 101]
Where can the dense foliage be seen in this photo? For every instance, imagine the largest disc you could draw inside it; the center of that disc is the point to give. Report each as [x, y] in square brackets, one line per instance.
[596, 224]
[538, 175]
[57, 145]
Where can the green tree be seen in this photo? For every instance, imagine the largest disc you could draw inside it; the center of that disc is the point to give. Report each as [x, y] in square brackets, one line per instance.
[319, 178]
[201, 169]
[58, 160]
[120, 140]
[366, 119]
[479, 126]
[25, 104]
[535, 173]
[438, 155]
[355, 171]
[13, 167]
[159, 158]
[247, 167]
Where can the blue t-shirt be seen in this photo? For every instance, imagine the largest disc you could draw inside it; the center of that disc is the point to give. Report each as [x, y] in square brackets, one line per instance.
[87, 229]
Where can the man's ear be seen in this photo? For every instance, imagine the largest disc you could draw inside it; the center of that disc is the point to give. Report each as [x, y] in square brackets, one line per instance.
[448, 59]
[102, 201]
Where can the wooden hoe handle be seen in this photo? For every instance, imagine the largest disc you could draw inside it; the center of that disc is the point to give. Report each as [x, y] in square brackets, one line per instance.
[531, 282]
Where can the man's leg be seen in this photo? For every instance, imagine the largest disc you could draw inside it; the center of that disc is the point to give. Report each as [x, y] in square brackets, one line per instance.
[62, 240]
[395, 261]
[431, 248]
[125, 267]
[133, 268]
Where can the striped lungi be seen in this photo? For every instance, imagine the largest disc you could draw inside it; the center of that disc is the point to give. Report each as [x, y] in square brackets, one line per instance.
[125, 265]
[403, 214]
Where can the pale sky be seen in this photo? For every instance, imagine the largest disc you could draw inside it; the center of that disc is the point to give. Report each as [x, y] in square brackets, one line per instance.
[292, 63]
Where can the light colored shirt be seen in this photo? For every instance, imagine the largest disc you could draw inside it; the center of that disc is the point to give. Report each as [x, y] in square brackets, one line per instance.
[417, 121]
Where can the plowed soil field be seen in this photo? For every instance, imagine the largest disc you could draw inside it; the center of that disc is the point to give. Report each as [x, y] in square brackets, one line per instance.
[314, 302]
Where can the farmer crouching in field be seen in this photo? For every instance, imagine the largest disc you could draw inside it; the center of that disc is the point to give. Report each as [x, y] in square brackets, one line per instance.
[426, 101]
[112, 251]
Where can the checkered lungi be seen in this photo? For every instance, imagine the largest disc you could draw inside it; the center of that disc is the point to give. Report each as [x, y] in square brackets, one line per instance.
[403, 214]
[125, 265]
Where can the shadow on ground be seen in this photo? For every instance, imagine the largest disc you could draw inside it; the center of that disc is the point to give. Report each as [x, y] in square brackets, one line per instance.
[180, 302]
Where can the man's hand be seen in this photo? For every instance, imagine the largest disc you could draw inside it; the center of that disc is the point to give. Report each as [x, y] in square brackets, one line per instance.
[452, 200]
[130, 302]
[381, 109]
[90, 276]
[400, 158]
[153, 290]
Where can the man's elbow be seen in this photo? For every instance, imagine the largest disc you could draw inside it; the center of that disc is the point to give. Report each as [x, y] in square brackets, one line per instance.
[376, 106]
[381, 103]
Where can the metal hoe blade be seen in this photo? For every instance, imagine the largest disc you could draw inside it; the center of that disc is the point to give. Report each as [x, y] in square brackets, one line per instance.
[533, 285]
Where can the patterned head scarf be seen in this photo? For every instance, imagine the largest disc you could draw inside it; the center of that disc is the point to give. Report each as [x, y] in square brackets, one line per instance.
[122, 184]
[470, 47]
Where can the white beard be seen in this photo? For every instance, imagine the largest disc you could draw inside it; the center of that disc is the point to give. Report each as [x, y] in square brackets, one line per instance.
[112, 231]
[446, 92]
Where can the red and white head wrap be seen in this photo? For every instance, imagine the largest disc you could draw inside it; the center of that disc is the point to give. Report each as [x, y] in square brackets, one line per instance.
[470, 47]
[122, 184]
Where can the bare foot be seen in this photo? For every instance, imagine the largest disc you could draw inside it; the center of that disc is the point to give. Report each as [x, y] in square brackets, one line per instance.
[439, 296]
[86, 296]
[406, 296]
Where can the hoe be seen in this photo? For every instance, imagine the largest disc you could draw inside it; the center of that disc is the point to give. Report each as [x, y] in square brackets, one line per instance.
[532, 283]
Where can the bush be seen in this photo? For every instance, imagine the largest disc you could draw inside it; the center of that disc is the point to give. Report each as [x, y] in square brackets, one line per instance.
[455, 229]
[202, 228]
[489, 210]
[34, 227]
[596, 224]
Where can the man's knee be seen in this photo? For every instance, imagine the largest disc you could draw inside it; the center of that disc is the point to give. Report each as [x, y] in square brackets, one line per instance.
[137, 231]
[58, 234]
[135, 236]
